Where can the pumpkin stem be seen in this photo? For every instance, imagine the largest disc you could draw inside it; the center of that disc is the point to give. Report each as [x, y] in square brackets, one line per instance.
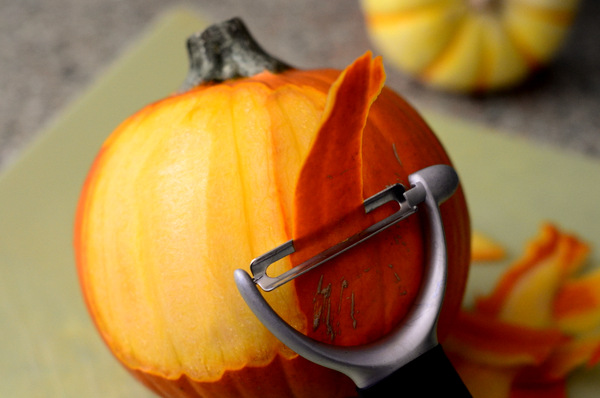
[485, 5]
[226, 51]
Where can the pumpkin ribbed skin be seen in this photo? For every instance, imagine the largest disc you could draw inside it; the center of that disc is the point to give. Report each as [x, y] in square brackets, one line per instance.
[469, 45]
[196, 185]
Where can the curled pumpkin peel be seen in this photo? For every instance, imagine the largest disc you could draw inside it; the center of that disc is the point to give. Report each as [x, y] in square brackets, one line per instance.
[538, 324]
[485, 248]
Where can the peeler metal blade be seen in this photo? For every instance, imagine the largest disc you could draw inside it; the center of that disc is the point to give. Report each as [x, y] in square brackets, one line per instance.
[407, 201]
[410, 354]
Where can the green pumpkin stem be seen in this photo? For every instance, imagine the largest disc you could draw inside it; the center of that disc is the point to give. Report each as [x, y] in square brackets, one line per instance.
[485, 5]
[226, 51]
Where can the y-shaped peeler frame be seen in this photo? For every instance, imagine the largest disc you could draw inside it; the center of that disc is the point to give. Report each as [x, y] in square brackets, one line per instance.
[409, 360]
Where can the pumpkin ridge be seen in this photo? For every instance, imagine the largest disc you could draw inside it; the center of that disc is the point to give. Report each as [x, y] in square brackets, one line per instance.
[400, 16]
[488, 55]
[446, 50]
[496, 57]
[152, 291]
[520, 46]
[252, 91]
[546, 17]
[300, 150]
[146, 288]
[156, 289]
[106, 313]
[484, 66]
[286, 216]
[556, 16]
[86, 203]
[239, 174]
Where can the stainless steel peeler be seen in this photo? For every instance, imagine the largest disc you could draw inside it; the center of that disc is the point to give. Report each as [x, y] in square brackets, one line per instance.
[408, 361]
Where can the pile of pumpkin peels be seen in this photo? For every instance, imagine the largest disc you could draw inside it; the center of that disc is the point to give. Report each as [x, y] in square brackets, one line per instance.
[539, 323]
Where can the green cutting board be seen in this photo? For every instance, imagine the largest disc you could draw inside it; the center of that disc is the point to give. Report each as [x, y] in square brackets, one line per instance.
[48, 346]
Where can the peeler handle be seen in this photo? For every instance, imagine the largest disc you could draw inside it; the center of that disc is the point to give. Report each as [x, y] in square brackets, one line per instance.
[429, 375]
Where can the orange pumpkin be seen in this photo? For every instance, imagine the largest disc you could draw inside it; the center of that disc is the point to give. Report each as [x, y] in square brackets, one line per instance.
[196, 185]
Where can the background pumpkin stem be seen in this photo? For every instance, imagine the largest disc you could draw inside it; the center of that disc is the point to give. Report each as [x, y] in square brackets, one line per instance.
[226, 51]
[484, 5]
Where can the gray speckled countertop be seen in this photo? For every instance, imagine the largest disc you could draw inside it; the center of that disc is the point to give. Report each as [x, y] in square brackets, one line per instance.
[51, 50]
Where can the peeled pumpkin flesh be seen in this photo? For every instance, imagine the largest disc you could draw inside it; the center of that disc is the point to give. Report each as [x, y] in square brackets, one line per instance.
[469, 45]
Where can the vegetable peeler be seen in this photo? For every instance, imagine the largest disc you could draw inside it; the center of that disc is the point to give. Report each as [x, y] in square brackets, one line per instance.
[408, 361]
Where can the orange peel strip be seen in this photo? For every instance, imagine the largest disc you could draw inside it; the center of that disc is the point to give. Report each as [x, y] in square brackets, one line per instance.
[549, 248]
[328, 177]
[484, 248]
[487, 340]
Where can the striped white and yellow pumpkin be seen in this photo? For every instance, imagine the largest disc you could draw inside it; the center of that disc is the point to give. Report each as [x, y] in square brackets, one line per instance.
[468, 45]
